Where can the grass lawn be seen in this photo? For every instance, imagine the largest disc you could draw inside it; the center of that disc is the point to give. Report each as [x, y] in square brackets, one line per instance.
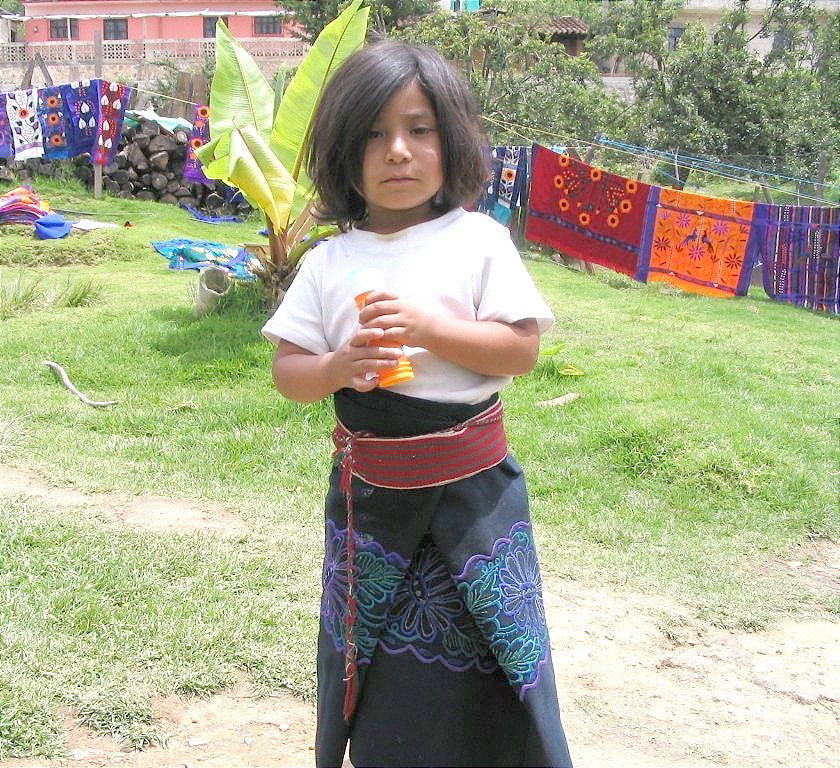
[705, 441]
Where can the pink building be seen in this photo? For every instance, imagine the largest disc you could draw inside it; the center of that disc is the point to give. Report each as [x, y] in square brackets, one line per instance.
[62, 20]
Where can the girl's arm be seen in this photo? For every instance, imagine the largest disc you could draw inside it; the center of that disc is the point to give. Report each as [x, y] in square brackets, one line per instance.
[306, 377]
[488, 347]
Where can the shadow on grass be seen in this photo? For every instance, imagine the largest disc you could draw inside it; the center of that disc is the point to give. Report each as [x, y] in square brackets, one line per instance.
[217, 347]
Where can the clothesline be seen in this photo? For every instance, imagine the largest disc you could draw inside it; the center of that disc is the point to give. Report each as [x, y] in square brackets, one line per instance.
[709, 161]
[514, 128]
[164, 96]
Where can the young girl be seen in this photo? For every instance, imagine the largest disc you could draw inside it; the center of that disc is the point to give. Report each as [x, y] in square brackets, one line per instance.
[433, 647]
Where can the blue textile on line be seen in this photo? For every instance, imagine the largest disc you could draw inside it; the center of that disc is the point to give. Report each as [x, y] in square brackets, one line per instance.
[184, 253]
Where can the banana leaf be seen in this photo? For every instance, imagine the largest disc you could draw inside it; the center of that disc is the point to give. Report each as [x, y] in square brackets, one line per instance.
[240, 94]
[242, 158]
[293, 122]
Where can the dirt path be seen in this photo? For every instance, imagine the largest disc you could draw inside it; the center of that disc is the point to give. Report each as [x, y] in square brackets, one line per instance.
[631, 696]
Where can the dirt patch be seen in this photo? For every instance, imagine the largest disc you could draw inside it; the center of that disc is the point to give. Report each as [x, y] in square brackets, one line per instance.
[815, 565]
[632, 694]
[159, 514]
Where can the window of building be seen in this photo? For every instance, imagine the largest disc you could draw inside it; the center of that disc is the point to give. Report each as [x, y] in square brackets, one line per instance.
[64, 29]
[674, 35]
[465, 5]
[210, 24]
[115, 29]
[268, 25]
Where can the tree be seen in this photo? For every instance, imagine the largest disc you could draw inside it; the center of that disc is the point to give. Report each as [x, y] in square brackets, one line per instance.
[518, 76]
[259, 147]
[11, 6]
[714, 95]
[314, 15]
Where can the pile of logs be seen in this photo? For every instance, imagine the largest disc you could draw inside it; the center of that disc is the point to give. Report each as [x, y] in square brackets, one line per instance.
[149, 165]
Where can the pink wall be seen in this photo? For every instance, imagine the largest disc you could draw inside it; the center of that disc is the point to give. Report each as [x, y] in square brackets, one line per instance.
[150, 27]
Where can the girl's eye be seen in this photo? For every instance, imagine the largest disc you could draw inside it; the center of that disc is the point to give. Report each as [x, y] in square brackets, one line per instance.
[421, 130]
[374, 134]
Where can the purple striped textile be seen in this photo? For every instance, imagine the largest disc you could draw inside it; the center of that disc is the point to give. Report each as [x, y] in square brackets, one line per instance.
[799, 250]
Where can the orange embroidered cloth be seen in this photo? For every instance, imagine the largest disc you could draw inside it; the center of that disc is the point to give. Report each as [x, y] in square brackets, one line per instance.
[700, 243]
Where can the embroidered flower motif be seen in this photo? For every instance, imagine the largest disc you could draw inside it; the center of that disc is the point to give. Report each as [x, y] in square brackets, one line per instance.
[53, 119]
[430, 618]
[631, 186]
[661, 244]
[596, 174]
[584, 219]
[733, 261]
[427, 601]
[56, 141]
[613, 220]
[508, 174]
[522, 588]
[377, 577]
[683, 221]
[203, 112]
[23, 113]
[559, 182]
[503, 593]
[196, 143]
[625, 206]
[564, 204]
[696, 253]
[564, 161]
[52, 101]
[720, 227]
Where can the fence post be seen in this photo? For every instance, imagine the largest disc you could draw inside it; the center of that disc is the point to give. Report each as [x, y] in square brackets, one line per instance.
[97, 72]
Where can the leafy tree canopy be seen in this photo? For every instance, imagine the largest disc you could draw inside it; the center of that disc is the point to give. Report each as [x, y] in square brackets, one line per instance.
[11, 6]
[314, 15]
[517, 75]
[715, 95]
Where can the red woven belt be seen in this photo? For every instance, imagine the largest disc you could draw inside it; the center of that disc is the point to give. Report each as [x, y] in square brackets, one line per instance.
[427, 460]
[423, 461]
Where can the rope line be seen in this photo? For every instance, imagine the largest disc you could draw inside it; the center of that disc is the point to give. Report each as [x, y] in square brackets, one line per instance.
[709, 161]
[650, 153]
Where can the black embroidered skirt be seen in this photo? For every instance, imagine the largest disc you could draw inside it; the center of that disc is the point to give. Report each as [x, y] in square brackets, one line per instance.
[454, 663]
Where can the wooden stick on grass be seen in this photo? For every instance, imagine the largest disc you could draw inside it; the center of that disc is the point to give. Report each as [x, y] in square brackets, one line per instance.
[65, 379]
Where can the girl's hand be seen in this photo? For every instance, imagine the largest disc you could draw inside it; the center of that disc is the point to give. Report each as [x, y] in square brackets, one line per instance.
[357, 363]
[402, 323]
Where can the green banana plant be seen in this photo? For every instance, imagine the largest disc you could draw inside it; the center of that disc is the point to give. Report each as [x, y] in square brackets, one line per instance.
[260, 149]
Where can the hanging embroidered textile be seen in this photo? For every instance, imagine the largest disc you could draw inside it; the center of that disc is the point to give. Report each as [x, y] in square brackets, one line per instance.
[699, 243]
[6, 147]
[587, 213]
[112, 102]
[21, 109]
[55, 126]
[193, 169]
[510, 182]
[799, 250]
[80, 100]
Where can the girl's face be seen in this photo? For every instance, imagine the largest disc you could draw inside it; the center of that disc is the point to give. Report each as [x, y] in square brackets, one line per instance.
[402, 168]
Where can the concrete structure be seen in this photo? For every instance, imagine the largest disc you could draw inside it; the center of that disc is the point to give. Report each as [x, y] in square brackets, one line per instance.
[710, 12]
[137, 33]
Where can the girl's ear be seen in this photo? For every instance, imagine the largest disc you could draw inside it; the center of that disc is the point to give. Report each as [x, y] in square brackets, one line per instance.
[437, 200]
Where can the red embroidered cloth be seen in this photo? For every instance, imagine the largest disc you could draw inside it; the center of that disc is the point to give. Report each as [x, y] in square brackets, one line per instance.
[586, 212]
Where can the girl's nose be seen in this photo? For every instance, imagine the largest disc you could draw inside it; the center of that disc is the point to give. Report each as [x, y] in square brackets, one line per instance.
[398, 151]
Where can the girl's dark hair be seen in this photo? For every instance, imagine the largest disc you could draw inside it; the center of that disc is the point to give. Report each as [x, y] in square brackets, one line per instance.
[351, 103]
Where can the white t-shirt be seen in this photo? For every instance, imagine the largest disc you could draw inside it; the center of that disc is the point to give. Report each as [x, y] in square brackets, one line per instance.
[461, 265]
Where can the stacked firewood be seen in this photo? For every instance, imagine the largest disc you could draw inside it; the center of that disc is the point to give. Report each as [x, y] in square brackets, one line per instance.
[149, 165]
